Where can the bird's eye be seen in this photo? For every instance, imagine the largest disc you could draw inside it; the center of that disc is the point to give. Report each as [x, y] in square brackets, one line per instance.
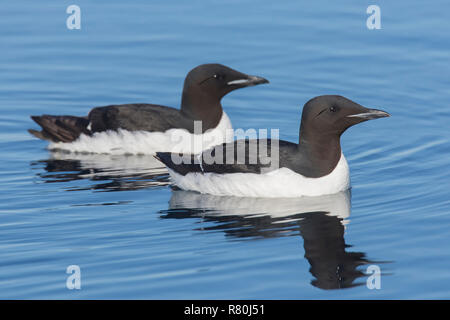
[219, 76]
[333, 109]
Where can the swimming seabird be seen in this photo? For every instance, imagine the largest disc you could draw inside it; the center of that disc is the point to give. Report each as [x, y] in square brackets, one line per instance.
[146, 128]
[314, 166]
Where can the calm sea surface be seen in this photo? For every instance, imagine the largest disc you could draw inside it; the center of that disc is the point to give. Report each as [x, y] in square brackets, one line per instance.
[134, 237]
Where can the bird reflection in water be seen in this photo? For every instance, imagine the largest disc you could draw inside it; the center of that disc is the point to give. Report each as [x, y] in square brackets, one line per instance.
[320, 221]
[111, 172]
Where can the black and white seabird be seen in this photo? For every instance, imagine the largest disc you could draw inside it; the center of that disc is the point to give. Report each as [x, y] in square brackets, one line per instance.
[147, 128]
[315, 166]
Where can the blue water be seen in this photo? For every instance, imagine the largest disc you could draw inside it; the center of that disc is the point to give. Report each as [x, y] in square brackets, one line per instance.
[134, 237]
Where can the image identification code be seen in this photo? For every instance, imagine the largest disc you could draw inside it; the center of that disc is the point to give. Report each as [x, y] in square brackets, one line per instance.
[232, 309]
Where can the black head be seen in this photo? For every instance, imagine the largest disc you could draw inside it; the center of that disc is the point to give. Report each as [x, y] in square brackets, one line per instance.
[332, 115]
[324, 119]
[206, 85]
[217, 80]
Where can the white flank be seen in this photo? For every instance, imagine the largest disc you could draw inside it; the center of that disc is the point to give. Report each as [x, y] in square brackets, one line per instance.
[280, 183]
[144, 142]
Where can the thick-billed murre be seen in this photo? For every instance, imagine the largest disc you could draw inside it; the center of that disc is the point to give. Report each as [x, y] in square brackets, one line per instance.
[147, 128]
[315, 166]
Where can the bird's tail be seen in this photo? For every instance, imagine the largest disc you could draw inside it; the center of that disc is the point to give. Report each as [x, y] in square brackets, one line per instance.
[60, 128]
[183, 164]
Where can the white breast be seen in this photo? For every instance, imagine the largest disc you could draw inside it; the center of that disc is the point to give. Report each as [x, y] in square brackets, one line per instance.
[144, 142]
[280, 183]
